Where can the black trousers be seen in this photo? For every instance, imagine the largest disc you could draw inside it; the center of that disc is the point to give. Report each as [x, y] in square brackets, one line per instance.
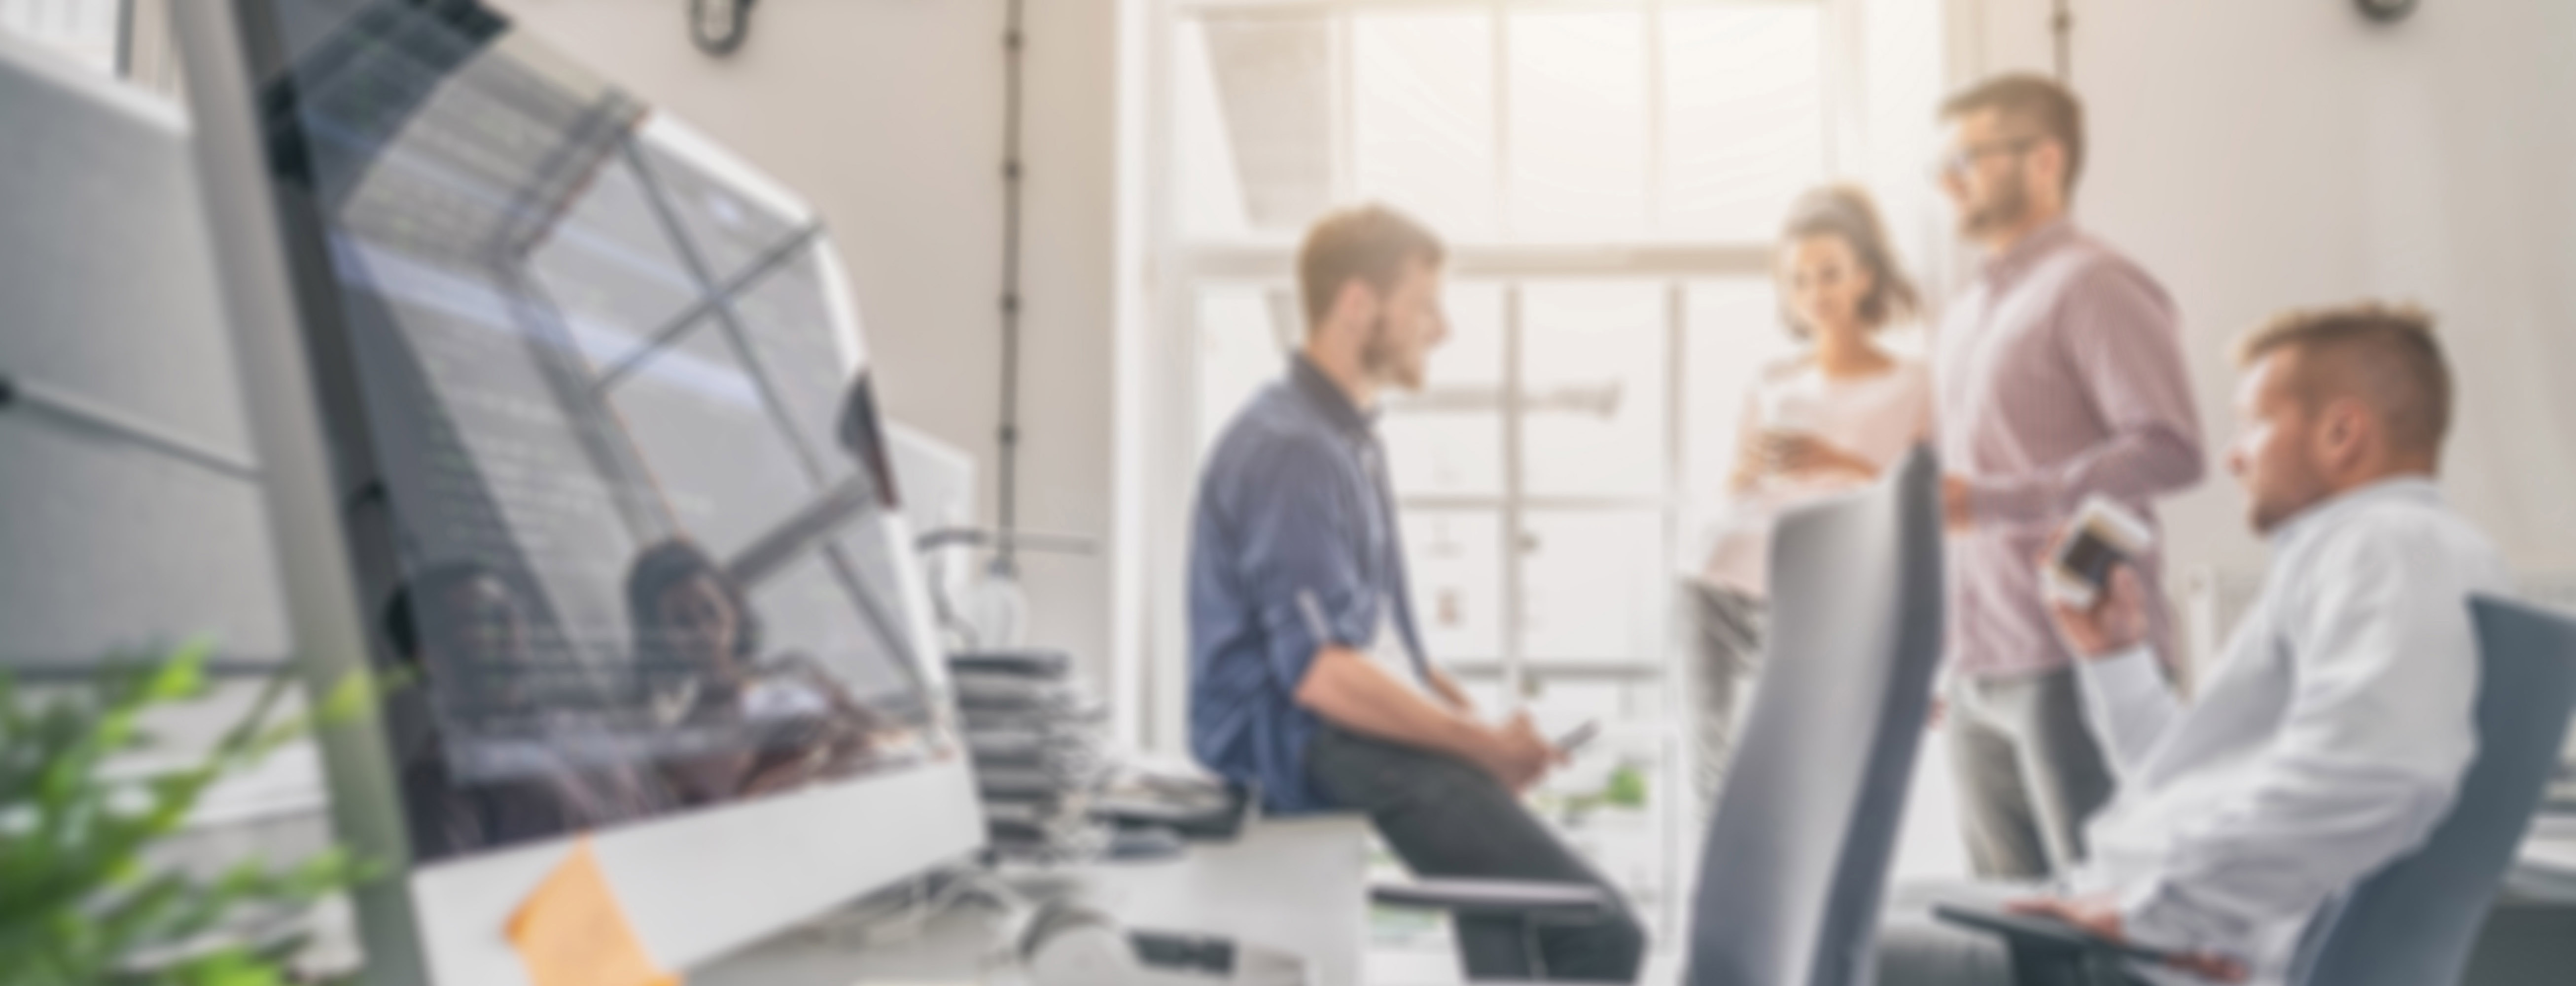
[1447, 818]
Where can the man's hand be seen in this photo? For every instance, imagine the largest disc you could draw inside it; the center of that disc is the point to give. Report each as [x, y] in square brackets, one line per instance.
[1518, 755]
[1956, 511]
[2116, 622]
[2100, 915]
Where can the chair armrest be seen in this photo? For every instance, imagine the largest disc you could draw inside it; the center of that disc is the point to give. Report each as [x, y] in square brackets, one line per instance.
[1554, 901]
[2043, 935]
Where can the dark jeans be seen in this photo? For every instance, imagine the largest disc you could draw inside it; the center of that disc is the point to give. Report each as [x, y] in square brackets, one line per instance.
[1447, 818]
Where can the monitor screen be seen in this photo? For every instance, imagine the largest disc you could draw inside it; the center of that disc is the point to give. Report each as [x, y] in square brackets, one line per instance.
[615, 482]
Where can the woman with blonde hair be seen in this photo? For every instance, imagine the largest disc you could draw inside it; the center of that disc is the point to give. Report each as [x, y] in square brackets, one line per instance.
[1824, 420]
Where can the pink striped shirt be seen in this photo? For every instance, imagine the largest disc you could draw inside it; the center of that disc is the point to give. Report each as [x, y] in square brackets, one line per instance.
[2058, 373]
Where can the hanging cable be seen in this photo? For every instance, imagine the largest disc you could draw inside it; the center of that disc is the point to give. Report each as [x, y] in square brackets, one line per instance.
[125, 39]
[2061, 23]
[1005, 558]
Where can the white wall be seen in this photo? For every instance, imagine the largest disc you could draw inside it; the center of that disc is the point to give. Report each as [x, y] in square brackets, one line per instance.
[2254, 155]
[2287, 152]
[887, 115]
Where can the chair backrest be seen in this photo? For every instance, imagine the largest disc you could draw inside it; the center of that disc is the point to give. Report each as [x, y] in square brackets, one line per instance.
[2412, 923]
[1796, 858]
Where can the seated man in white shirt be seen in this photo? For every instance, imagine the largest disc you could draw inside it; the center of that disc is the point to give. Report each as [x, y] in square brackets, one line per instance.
[2328, 738]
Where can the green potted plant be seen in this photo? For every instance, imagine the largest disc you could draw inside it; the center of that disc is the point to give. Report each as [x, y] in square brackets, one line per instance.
[79, 904]
[1624, 788]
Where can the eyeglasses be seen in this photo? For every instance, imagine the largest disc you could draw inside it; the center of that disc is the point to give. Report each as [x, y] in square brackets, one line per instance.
[1951, 166]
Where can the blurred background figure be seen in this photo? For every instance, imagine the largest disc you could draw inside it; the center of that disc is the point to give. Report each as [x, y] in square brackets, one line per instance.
[2061, 377]
[1825, 419]
[698, 643]
[461, 629]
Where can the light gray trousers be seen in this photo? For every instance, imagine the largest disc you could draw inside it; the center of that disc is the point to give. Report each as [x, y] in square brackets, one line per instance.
[2028, 773]
[1722, 631]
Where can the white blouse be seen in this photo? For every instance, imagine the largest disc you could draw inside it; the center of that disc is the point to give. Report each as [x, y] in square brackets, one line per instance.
[1876, 417]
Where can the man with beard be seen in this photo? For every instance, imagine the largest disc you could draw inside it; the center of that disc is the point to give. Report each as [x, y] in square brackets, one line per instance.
[2327, 738]
[1307, 676]
[2058, 375]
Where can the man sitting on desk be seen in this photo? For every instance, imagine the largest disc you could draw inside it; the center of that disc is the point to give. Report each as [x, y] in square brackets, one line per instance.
[2333, 730]
[1307, 676]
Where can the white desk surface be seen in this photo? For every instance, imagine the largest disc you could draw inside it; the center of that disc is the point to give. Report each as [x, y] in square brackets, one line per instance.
[1295, 885]
[1298, 885]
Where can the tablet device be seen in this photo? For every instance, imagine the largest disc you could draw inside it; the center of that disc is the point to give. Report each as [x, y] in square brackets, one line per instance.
[2103, 535]
[2043, 930]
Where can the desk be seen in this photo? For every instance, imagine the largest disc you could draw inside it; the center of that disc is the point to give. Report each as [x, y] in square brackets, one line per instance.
[2546, 868]
[960, 946]
[2530, 936]
[1296, 885]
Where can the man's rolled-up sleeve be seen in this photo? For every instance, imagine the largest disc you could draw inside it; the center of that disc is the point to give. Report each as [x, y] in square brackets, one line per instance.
[1300, 532]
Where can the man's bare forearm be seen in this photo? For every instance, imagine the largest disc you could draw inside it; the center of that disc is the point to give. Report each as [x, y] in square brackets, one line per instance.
[1451, 692]
[1349, 691]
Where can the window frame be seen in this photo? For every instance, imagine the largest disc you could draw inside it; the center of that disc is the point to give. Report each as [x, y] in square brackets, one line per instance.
[1179, 264]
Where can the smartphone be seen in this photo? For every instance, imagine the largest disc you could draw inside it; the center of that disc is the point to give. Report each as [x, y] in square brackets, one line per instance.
[2103, 535]
[1582, 734]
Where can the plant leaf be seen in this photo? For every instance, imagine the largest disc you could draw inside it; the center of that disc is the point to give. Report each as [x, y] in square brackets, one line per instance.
[182, 676]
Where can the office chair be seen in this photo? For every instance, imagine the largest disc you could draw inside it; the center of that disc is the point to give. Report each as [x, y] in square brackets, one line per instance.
[2412, 924]
[1798, 848]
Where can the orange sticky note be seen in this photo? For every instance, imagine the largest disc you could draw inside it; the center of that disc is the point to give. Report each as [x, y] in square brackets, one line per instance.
[571, 932]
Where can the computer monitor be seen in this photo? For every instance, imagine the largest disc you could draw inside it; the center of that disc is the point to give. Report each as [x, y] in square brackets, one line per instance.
[565, 420]
[938, 482]
[938, 479]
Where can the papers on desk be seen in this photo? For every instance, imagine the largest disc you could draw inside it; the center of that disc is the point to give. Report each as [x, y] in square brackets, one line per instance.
[572, 932]
[2546, 867]
[2552, 843]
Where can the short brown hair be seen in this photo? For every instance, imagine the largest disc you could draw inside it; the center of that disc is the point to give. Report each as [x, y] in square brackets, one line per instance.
[1846, 213]
[2035, 101]
[2390, 356]
[1369, 243]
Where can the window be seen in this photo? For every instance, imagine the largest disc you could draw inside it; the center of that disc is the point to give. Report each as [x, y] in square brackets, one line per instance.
[1608, 175]
[90, 32]
[1499, 120]
[130, 40]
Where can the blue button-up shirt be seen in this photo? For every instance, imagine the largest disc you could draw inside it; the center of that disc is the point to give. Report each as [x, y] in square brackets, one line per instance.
[1294, 548]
